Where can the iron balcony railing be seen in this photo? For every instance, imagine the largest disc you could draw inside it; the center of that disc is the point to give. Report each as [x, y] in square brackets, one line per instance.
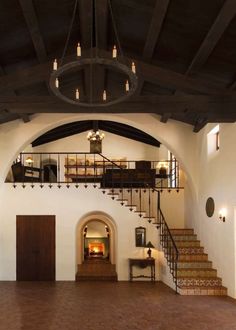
[76, 167]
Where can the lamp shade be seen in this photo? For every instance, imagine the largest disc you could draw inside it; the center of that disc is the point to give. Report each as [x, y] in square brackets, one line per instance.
[149, 245]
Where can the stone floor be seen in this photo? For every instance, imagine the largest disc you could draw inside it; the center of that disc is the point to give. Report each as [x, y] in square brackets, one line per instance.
[109, 306]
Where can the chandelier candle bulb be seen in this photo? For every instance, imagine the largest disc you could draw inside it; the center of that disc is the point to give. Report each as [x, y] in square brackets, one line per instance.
[127, 86]
[77, 94]
[104, 95]
[78, 50]
[57, 83]
[114, 52]
[55, 65]
[133, 67]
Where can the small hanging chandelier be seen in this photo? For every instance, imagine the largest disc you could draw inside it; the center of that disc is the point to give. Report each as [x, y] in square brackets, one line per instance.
[95, 136]
[116, 62]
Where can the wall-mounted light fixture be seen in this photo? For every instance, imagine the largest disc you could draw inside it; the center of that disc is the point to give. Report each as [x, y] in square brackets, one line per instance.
[222, 214]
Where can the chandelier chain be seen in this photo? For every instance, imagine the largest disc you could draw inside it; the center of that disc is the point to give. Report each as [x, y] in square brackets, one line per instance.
[69, 33]
[115, 29]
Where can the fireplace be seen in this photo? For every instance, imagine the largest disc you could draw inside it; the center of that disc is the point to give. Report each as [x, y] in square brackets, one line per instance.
[96, 249]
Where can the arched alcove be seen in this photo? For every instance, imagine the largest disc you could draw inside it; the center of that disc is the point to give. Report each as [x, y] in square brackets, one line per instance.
[106, 220]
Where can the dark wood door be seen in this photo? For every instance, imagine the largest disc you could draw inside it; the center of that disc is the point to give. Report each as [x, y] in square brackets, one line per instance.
[35, 246]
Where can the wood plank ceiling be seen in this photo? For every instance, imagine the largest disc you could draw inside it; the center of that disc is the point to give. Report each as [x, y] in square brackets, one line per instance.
[184, 51]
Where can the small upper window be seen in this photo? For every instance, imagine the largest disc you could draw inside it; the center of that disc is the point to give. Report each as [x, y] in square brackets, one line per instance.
[213, 139]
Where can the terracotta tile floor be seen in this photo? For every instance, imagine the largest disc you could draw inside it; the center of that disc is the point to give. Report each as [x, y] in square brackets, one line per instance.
[109, 306]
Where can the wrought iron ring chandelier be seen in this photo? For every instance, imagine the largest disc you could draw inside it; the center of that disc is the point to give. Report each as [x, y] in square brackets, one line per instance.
[114, 63]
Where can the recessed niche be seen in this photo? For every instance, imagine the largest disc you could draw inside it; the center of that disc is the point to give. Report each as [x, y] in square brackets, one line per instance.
[210, 207]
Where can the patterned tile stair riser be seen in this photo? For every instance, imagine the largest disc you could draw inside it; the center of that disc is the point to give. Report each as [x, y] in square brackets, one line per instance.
[194, 271]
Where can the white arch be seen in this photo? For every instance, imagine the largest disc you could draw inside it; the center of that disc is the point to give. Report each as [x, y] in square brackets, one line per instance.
[176, 136]
[99, 216]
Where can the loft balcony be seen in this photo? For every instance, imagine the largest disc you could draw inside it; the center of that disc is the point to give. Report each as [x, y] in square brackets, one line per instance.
[75, 168]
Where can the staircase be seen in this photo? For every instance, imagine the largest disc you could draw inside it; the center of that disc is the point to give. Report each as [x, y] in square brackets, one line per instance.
[96, 270]
[193, 272]
[195, 275]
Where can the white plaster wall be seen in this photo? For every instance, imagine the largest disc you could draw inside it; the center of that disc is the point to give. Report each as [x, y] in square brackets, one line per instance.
[15, 136]
[216, 178]
[69, 206]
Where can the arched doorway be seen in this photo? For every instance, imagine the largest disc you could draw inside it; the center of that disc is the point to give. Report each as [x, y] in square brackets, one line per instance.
[96, 234]
[96, 248]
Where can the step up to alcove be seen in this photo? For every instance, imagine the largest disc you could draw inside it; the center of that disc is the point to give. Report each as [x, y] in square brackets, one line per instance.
[96, 270]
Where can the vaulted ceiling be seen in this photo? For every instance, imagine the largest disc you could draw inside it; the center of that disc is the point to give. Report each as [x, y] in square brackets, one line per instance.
[185, 54]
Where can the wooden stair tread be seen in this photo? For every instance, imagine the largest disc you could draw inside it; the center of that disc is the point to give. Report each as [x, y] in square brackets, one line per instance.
[181, 229]
[204, 287]
[197, 277]
[196, 268]
[189, 254]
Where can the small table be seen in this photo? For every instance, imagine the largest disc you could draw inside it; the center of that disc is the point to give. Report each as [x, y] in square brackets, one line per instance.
[142, 263]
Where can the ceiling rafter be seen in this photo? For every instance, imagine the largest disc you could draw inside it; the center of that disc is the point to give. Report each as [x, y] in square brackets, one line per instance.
[33, 26]
[223, 107]
[216, 31]
[151, 73]
[200, 123]
[25, 117]
[165, 117]
[154, 31]
[31, 19]
[155, 27]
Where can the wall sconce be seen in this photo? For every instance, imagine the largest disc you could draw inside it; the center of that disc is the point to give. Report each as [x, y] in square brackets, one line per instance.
[222, 214]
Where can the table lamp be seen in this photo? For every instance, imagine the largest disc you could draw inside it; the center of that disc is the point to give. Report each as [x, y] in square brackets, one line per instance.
[149, 246]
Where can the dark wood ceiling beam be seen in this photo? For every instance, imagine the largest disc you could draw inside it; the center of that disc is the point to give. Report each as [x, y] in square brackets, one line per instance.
[144, 99]
[153, 33]
[221, 23]
[33, 26]
[201, 122]
[158, 104]
[25, 117]
[165, 117]
[155, 27]
[151, 73]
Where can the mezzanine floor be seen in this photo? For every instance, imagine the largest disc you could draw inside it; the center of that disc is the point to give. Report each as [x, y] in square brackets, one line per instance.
[109, 306]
